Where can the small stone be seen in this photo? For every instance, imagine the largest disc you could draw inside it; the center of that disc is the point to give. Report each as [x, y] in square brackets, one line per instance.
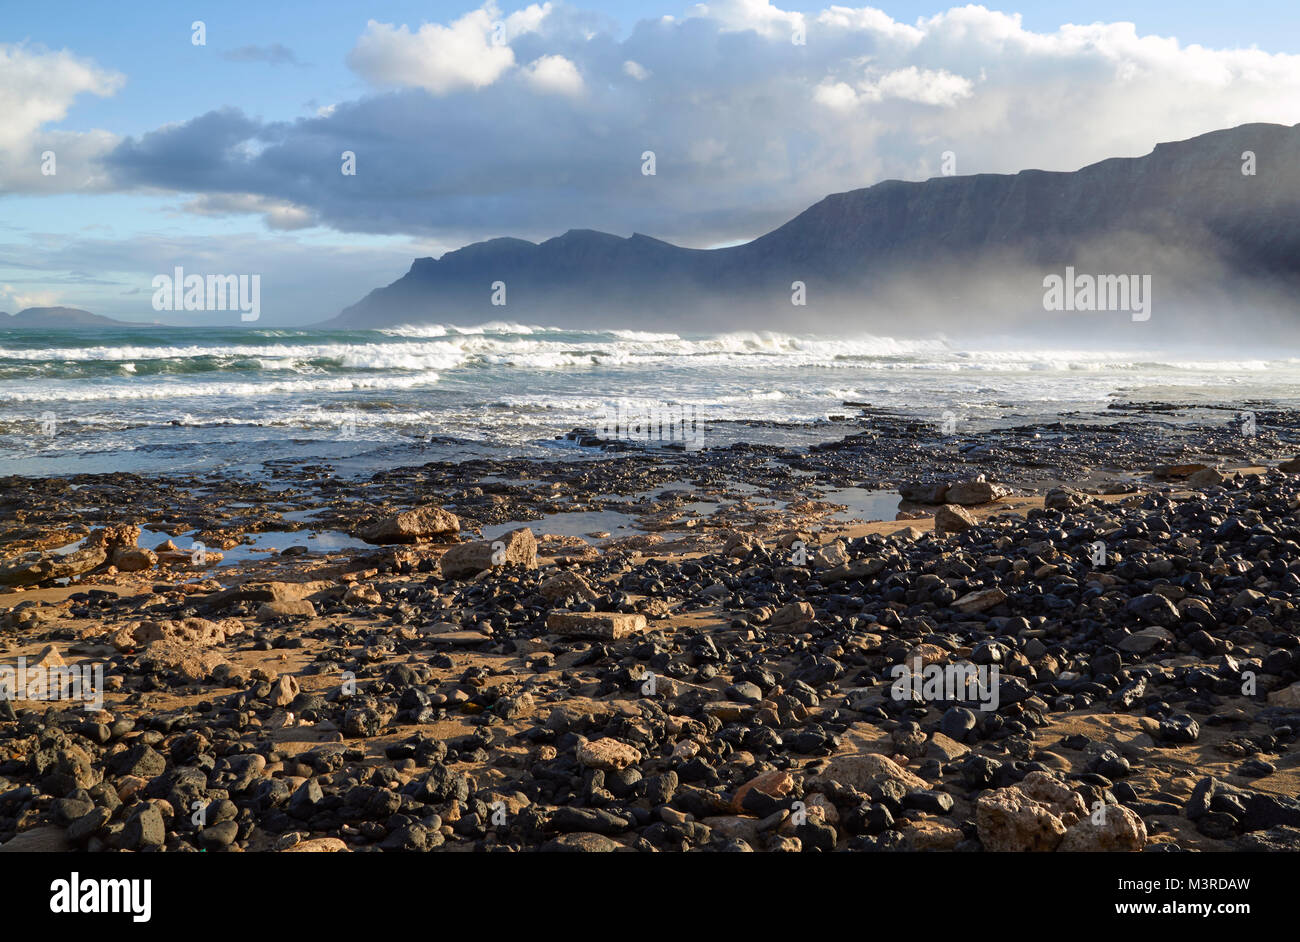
[145, 829]
[566, 584]
[945, 749]
[979, 601]
[608, 755]
[1146, 640]
[219, 836]
[284, 691]
[1155, 610]
[1286, 697]
[929, 834]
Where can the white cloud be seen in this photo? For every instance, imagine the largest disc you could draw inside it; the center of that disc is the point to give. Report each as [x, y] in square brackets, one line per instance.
[473, 52]
[13, 300]
[37, 88]
[554, 74]
[922, 86]
[748, 127]
[527, 20]
[762, 16]
[438, 58]
[868, 20]
[837, 95]
[277, 214]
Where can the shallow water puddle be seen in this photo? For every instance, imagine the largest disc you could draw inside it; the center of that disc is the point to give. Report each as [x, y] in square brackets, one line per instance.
[259, 545]
[863, 504]
[572, 523]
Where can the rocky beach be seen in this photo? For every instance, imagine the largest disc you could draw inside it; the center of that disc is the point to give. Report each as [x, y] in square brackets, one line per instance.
[745, 648]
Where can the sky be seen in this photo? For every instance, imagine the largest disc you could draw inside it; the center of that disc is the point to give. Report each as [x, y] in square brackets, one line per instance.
[213, 137]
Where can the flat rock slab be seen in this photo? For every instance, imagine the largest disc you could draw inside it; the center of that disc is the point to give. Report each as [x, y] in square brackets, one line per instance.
[980, 600]
[35, 568]
[458, 637]
[46, 839]
[264, 592]
[321, 845]
[297, 608]
[1172, 472]
[608, 626]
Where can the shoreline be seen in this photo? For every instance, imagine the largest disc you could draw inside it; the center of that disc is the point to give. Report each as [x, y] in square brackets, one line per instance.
[420, 695]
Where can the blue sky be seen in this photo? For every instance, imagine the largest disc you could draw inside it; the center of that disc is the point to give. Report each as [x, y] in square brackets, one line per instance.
[224, 157]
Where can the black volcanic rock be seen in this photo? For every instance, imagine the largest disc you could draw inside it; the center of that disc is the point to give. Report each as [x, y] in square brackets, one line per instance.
[942, 250]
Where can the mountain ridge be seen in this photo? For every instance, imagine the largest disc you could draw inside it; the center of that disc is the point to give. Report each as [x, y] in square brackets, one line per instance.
[57, 316]
[981, 243]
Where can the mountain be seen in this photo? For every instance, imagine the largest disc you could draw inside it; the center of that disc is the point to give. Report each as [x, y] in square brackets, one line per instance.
[56, 317]
[947, 252]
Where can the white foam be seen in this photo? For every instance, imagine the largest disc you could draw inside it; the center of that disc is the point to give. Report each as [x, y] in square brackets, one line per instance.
[176, 389]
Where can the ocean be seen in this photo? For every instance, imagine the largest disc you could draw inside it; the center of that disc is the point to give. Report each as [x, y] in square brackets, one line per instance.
[178, 400]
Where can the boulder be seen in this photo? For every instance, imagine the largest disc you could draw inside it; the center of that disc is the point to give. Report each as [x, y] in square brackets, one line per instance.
[608, 755]
[466, 560]
[863, 770]
[830, 556]
[411, 526]
[362, 595]
[299, 608]
[284, 691]
[794, 615]
[1206, 477]
[1065, 499]
[564, 585]
[951, 518]
[199, 632]
[194, 663]
[856, 569]
[114, 537]
[972, 493]
[1154, 609]
[1031, 816]
[775, 784]
[922, 493]
[1120, 830]
[133, 559]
